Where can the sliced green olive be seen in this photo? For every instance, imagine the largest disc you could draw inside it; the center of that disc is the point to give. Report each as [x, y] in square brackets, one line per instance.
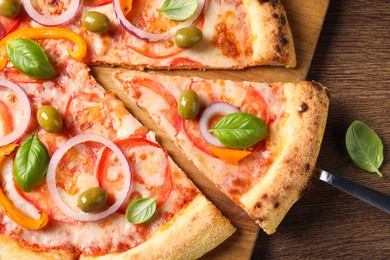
[49, 119]
[9, 8]
[188, 37]
[96, 22]
[92, 199]
[188, 104]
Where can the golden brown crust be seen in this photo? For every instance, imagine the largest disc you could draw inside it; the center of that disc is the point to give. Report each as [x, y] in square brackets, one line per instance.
[297, 136]
[205, 229]
[204, 226]
[272, 39]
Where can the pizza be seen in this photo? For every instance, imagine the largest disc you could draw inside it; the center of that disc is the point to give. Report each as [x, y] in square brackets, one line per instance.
[229, 34]
[266, 177]
[98, 145]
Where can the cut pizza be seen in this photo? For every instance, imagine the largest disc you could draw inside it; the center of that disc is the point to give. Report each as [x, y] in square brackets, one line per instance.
[257, 142]
[170, 34]
[82, 178]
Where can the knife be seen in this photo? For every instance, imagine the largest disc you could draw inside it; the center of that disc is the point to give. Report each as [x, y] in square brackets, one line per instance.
[372, 197]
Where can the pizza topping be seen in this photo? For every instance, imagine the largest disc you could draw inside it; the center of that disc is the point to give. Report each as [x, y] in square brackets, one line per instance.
[52, 20]
[141, 210]
[240, 130]
[93, 199]
[225, 39]
[189, 104]
[129, 27]
[25, 111]
[232, 156]
[219, 108]
[9, 8]
[53, 189]
[178, 10]
[188, 37]
[96, 22]
[49, 119]
[30, 59]
[30, 163]
[45, 33]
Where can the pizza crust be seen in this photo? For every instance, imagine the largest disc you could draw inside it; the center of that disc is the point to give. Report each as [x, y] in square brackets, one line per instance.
[272, 38]
[205, 228]
[297, 136]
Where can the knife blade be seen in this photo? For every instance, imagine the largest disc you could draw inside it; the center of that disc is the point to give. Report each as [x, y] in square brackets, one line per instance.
[368, 195]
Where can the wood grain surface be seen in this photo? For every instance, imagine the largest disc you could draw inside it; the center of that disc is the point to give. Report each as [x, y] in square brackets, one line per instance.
[306, 18]
[353, 60]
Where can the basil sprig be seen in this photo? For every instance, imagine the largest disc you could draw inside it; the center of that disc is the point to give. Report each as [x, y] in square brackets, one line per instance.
[240, 130]
[364, 147]
[178, 10]
[141, 210]
[30, 58]
[30, 164]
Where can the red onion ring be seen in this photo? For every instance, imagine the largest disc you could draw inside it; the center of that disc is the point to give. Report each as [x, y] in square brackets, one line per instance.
[26, 113]
[219, 108]
[52, 20]
[152, 36]
[51, 177]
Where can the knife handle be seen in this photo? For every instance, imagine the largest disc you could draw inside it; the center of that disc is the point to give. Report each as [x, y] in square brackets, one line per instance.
[373, 197]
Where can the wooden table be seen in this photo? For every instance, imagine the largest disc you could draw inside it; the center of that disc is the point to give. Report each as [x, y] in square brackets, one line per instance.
[353, 60]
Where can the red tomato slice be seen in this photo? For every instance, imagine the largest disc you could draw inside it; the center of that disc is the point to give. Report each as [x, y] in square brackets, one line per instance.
[253, 103]
[9, 24]
[155, 180]
[2, 32]
[185, 63]
[171, 114]
[94, 3]
[6, 120]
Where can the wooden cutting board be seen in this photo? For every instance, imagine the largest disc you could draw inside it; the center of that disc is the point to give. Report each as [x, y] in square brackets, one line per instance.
[306, 18]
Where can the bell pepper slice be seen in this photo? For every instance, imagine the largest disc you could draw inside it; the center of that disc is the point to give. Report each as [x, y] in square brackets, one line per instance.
[232, 156]
[126, 6]
[45, 33]
[9, 209]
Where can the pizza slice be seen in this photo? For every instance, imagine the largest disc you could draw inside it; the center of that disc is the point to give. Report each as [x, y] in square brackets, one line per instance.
[110, 190]
[257, 142]
[140, 34]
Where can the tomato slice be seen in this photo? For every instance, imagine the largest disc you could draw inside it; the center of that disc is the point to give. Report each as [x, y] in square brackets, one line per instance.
[9, 25]
[6, 120]
[150, 168]
[185, 63]
[95, 3]
[171, 114]
[252, 103]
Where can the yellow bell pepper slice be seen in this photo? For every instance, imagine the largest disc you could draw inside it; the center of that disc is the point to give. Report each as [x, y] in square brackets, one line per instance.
[232, 156]
[45, 33]
[9, 209]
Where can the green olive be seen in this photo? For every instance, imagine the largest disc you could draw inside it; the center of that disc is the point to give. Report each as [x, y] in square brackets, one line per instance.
[188, 104]
[9, 8]
[188, 37]
[92, 199]
[96, 22]
[49, 119]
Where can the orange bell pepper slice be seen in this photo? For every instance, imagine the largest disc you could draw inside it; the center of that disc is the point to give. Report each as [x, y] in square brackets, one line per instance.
[126, 6]
[9, 209]
[232, 156]
[45, 33]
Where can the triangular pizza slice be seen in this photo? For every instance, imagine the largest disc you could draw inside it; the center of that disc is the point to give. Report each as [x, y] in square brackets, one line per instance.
[257, 142]
[81, 177]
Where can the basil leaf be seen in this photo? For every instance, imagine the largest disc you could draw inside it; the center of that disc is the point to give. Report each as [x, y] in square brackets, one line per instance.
[240, 130]
[178, 10]
[364, 147]
[30, 164]
[30, 58]
[141, 210]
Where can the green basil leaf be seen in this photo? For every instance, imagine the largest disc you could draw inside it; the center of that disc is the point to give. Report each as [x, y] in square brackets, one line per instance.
[178, 10]
[240, 130]
[30, 58]
[141, 210]
[364, 147]
[30, 164]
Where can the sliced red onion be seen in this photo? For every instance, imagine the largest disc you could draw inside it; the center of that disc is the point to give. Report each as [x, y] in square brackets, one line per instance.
[26, 113]
[52, 20]
[51, 177]
[219, 108]
[152, 36]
